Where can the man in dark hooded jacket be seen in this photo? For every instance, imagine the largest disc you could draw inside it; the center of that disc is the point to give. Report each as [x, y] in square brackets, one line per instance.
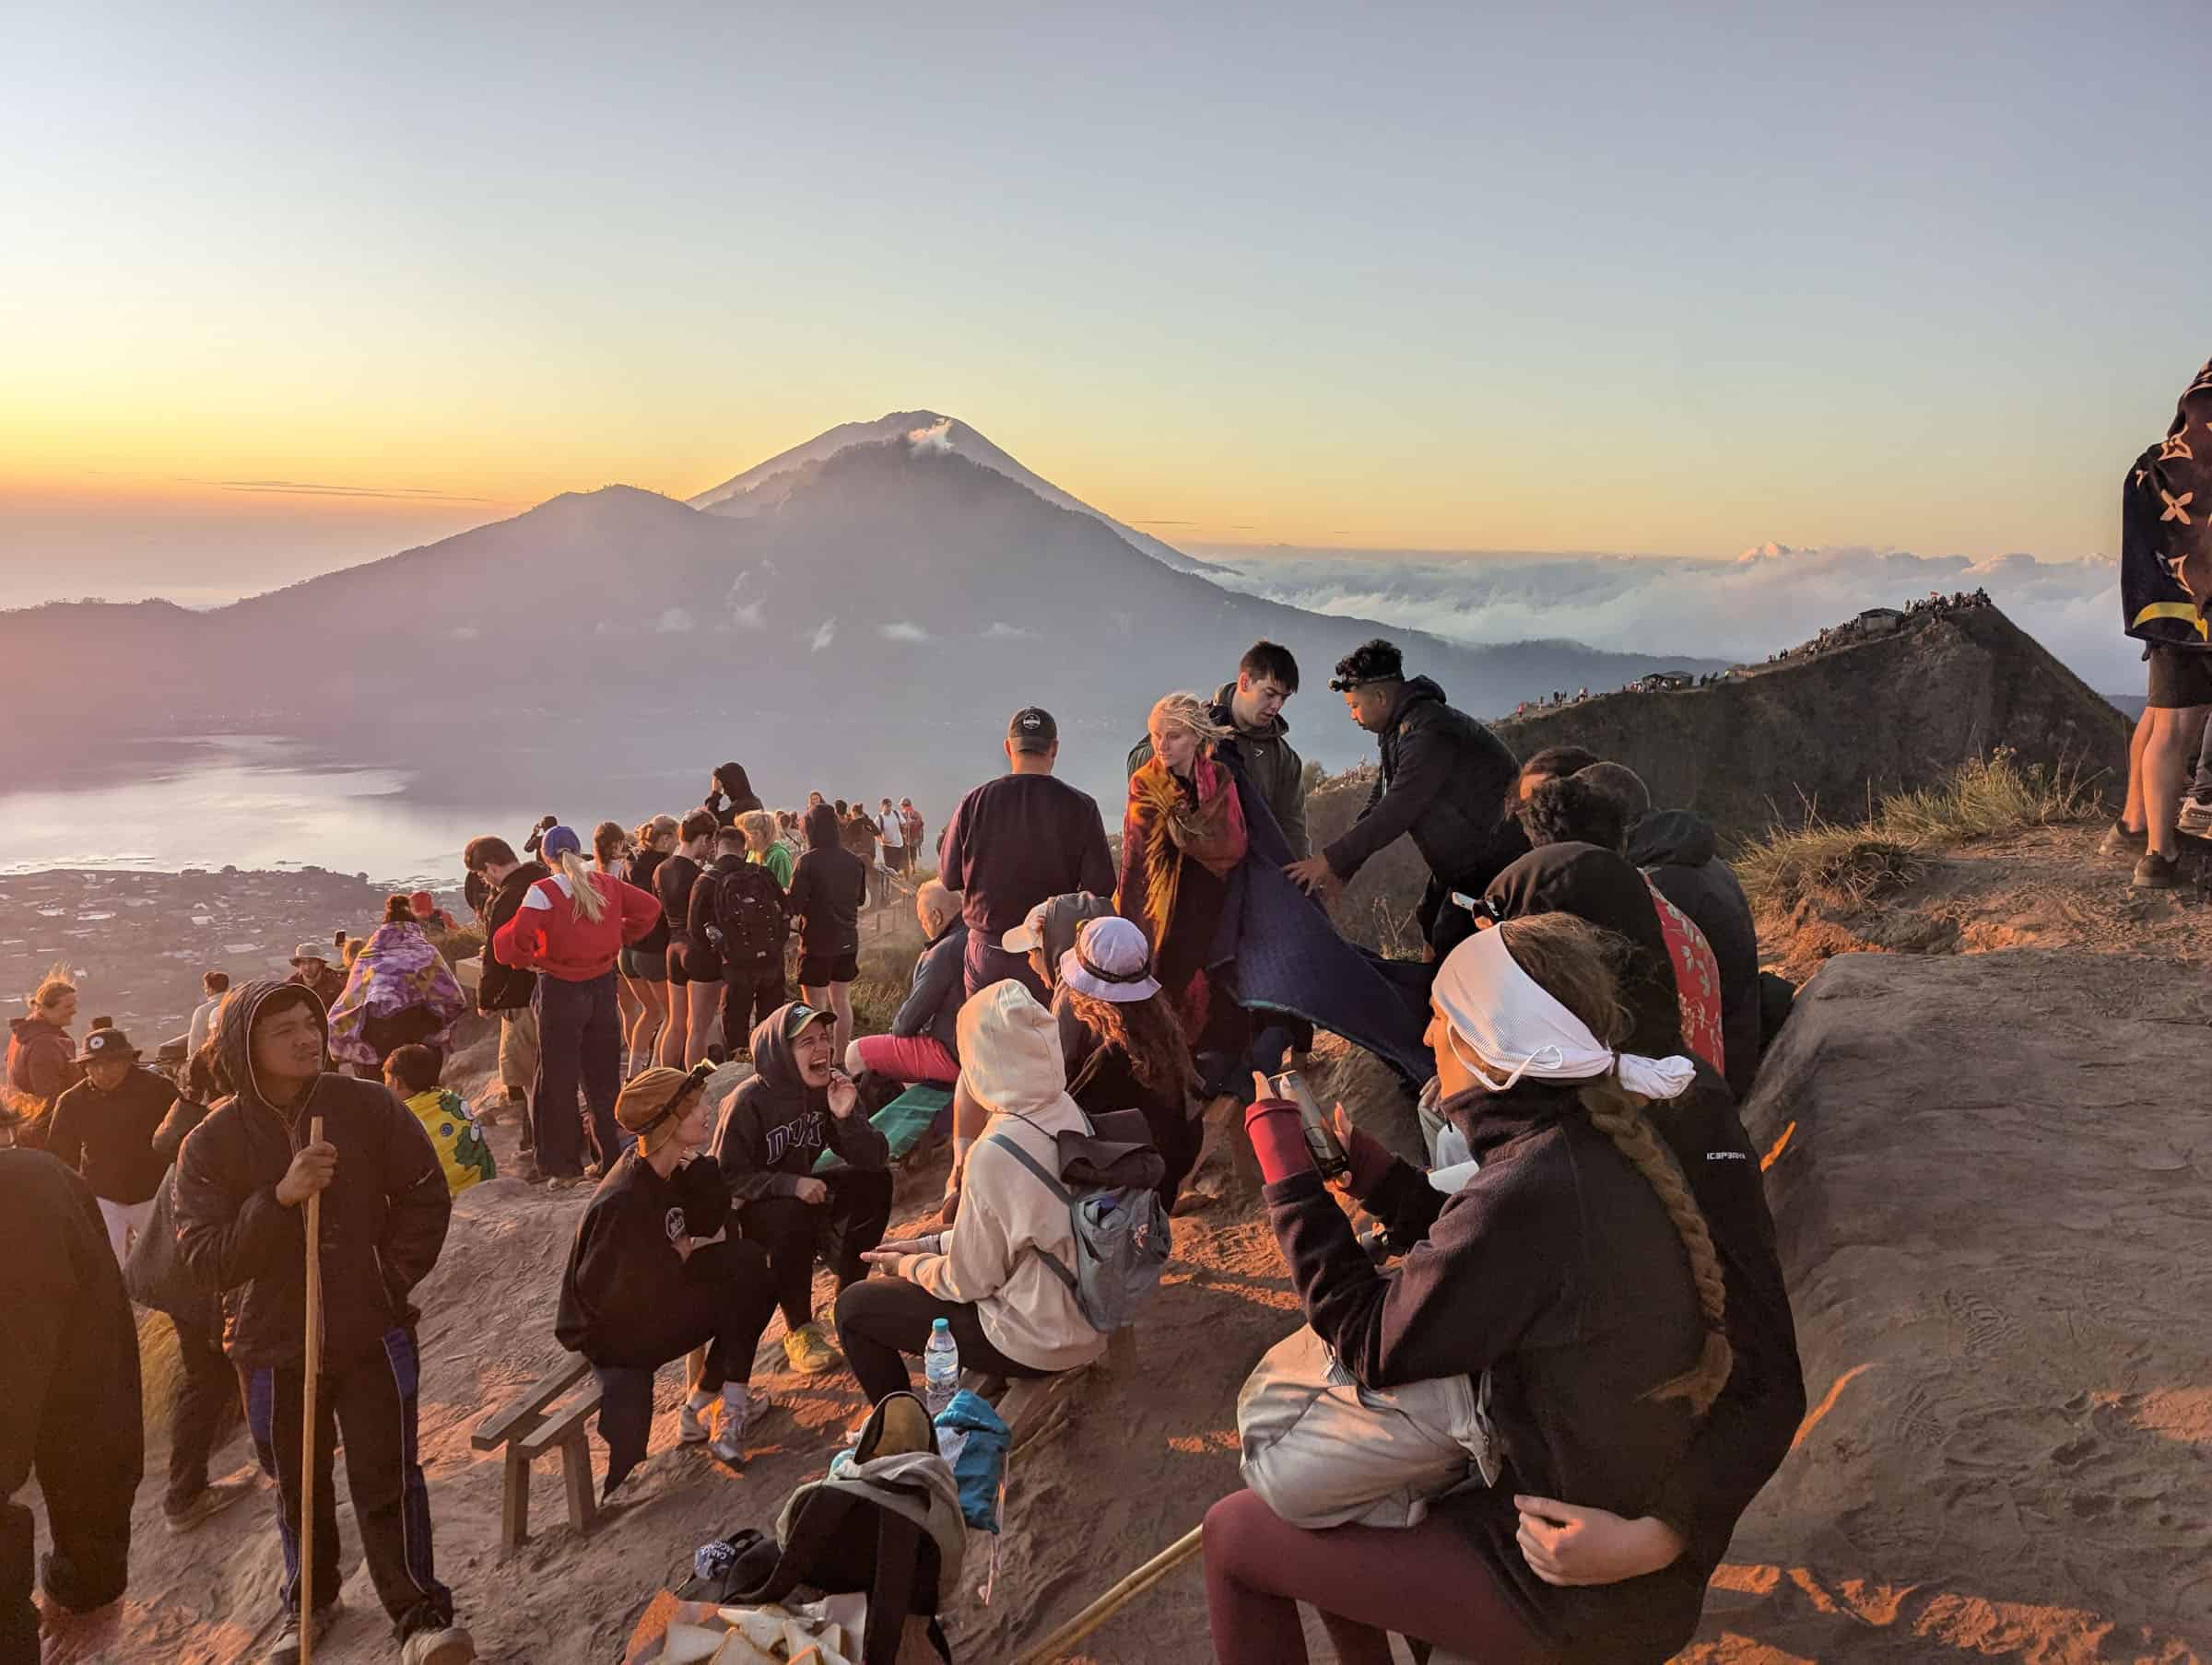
[797, 1105]
[69, 1396]
[1444, 780]
[243, 1181]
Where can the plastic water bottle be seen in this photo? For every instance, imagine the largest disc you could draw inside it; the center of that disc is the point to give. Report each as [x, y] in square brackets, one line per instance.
[940, 1368]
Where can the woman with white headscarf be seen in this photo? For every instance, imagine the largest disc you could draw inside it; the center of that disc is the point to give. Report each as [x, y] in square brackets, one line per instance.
[1577, 1274]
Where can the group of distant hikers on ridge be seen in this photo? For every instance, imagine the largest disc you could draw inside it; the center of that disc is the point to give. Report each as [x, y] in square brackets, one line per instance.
[1524, 1413]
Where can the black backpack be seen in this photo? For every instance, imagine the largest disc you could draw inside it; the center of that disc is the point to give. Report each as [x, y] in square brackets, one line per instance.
[749, 923]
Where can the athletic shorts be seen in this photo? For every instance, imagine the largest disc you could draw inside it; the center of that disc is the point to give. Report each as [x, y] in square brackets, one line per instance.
[693, 963]
[2180, 677]
[646, 964]
[819, 970]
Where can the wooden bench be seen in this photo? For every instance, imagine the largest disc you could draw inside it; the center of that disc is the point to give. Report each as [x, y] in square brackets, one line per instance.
[527, 1432]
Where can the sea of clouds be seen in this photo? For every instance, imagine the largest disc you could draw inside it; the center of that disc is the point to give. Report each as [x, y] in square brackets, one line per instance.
[1767, 598]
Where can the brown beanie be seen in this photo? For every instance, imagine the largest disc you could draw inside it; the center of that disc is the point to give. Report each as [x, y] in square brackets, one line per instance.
[653, 1102]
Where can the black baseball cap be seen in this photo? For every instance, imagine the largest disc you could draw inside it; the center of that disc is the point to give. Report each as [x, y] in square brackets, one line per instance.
[1033, 730]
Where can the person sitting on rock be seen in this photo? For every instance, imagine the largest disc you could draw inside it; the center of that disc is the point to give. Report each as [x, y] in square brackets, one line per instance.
[1582, 1280]
[796, 1106]
[924, 1030]
[1575, 866]
[1680, 854]
[1009, 1313]
[412, 1073]
[642, 1286]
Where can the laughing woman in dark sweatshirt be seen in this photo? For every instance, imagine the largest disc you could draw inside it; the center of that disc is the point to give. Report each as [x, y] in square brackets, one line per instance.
[1577, 1273]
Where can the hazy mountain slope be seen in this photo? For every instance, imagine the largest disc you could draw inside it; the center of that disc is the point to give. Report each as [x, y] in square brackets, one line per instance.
[888, 610]
[748, 490]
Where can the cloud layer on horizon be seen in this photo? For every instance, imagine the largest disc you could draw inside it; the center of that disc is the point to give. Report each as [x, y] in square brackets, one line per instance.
[1767, 598]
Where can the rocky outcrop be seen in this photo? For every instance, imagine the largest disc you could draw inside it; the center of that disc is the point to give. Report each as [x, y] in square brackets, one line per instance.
[1989, 1186]
[1839, 729]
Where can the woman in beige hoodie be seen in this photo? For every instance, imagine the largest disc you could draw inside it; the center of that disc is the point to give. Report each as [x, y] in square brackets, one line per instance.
[1010, 1314]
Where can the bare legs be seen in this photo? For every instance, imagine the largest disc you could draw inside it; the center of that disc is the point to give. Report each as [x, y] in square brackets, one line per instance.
[652, 1018]
[2131, 817]
[702, 1020]
[2168, 760]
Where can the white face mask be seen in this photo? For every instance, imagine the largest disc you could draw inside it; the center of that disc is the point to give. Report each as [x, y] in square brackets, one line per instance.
[1505, 1025]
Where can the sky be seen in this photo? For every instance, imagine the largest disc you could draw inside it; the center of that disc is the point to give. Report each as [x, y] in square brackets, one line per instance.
[293, 286]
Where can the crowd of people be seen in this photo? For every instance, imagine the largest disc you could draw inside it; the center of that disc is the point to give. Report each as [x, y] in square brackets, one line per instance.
[1587, 1244]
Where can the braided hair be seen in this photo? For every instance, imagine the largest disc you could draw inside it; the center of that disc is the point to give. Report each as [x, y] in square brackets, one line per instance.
[1565, 957]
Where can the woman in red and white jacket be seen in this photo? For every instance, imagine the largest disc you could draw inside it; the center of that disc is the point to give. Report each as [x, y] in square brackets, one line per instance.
[570, 930]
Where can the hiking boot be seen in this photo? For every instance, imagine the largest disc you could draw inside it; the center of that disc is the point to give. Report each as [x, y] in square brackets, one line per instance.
[690, 1429]
[2196, 816]
[2119, 841]
[740, 1416]
[209, 1500]
[451, 1645]
[2156, 871]
[809, 1352]
[286, 1650]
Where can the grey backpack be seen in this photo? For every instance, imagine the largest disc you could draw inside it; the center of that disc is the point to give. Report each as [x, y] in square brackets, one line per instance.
[1121, 1227]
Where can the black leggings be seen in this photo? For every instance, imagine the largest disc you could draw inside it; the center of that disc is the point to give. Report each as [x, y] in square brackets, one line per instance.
[747, 998]
[841, 1230]
[722, 1303]
[882, 1319]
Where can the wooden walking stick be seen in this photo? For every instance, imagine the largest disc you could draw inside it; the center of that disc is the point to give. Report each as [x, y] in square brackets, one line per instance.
[1056, 1645]
[307, 1413]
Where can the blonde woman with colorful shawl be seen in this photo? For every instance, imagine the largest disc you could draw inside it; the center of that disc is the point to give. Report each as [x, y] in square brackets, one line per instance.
[1183, 834]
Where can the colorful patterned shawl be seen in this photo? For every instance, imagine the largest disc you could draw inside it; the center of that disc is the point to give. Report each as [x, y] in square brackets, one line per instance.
[398, 969]
[1162, 829]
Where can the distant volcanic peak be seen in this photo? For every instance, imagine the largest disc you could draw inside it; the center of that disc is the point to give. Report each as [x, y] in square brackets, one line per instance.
[924, 433]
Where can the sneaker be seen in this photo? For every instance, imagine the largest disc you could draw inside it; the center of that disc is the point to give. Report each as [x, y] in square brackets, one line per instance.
[739, 1417]
[689, 1429]
[2196, 816]
[565, 1182]
[2119, 841]
[2156, 871]
[209, 1500]
[808, 1351]
[286, 1650]
[451, 1645]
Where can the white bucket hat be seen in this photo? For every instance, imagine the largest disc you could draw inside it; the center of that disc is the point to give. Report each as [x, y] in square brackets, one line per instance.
[1026, 935]
[1109, 961]
[1504, 1021]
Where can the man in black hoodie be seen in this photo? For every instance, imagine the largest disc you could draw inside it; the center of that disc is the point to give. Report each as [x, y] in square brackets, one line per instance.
[797, 1105]
[506, 989]
[243, 1181]
[1444, 779]
[68, 1397]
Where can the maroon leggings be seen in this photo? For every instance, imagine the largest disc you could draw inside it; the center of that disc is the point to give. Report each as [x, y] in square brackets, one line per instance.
[1423, 1582]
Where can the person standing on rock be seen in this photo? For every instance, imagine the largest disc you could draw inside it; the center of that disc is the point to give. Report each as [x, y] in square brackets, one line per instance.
[311, 968]
[1251, 708]
[242, 1184]
[1443, 782]
[1018, 841]
[42, 1065]
[731, 794]
[215, 985]
[103, 1128]
[70, 1392]
[2165, 590]
[503, 990]
[694, 969]
[570, 930]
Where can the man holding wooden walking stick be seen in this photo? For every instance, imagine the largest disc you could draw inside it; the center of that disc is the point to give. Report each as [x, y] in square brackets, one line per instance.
[244, 1180]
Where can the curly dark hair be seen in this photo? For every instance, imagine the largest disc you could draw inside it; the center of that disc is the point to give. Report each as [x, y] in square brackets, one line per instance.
[1146, 1032]
[1570, 810]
